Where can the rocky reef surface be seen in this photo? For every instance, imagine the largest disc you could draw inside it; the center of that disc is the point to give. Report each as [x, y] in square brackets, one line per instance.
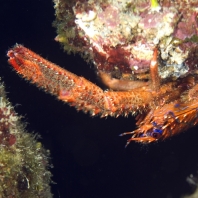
[119, 36]
[24, 167]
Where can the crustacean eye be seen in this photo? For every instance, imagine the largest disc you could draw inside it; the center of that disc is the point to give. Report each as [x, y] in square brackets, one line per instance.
[156, 133]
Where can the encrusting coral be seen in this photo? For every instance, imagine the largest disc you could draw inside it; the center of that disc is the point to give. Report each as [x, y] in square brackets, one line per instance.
[23, 160]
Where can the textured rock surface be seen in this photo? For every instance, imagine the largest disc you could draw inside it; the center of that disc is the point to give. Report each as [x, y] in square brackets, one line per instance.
[120, 36]
[23, 161]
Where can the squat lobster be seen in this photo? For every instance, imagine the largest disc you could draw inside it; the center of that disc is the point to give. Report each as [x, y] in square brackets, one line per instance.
[164, 108]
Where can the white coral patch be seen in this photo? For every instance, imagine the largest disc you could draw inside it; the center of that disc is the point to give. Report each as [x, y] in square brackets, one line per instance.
[142, 52]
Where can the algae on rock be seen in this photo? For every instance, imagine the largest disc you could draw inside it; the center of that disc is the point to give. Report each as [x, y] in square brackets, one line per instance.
[23, 160]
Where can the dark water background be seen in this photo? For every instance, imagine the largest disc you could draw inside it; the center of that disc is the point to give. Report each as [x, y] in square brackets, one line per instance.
[89, 157]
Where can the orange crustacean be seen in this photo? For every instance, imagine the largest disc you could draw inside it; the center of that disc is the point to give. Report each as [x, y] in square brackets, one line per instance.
[143, 53]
